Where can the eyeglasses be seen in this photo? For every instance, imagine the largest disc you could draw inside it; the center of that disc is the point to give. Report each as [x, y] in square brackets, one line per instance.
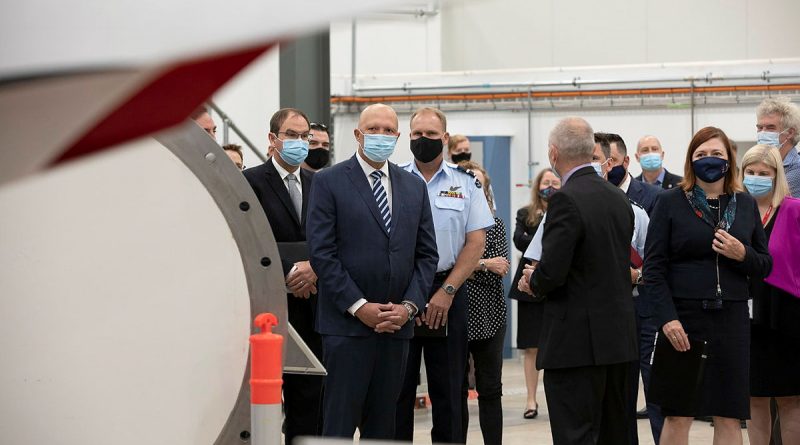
[295, 135]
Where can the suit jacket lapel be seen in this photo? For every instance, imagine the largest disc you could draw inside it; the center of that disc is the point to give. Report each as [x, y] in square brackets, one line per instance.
[362, 185]
[397, 192]
[306, 185]
[276, 182]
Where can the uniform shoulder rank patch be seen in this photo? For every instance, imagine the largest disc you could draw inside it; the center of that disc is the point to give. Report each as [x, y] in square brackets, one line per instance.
[471, 173]
[634, 203]
[464, 170]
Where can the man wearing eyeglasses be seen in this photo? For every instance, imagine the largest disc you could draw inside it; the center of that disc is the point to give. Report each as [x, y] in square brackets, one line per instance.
[282, 188]
[319, 148]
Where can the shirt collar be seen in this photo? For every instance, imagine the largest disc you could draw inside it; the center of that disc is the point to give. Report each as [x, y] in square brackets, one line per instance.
[368, 169]
[791, 157]
[569, 173]
[282, 172]
[660, 179]
[441, 169]
[625, 183]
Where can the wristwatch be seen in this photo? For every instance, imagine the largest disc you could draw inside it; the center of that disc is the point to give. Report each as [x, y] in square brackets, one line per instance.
[411, 311]
[449, 289]
[483, 265]
[638, 276]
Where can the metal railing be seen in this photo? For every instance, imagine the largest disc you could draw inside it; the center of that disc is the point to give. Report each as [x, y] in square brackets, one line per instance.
[228, 125]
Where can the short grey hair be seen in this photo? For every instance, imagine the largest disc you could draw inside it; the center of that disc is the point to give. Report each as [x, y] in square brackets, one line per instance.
[789, 113]
[574, 139]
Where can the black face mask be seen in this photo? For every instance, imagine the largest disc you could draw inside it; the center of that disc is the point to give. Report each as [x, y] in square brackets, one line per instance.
[318, 158]
[460, 157]
[425, 149]
[616, 175]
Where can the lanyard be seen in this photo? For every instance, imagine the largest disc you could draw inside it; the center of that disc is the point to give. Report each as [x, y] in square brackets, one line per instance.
[766, 216]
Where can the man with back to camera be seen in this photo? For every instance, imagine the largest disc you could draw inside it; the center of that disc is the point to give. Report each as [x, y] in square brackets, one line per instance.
[458, 148]
[588, 338]
[319, 148]
[651, 158]
[779, 125]
[461, 216]
[282, 188]
[372, 242]
[641, 193]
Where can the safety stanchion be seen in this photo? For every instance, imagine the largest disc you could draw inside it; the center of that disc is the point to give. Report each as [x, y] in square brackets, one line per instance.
[265, 382]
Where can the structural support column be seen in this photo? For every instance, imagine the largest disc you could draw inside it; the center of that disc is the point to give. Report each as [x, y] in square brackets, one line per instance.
[305, 76]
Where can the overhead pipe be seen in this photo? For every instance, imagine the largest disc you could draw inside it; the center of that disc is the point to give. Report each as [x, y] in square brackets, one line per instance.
[228, 123]
[561, 94]
[575, 82]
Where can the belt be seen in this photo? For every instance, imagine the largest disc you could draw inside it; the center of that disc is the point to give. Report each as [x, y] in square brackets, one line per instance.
[440, 276]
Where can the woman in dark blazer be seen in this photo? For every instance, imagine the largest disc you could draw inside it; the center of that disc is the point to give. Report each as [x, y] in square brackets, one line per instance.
[774, 330]
[704, 241]
[529, 314]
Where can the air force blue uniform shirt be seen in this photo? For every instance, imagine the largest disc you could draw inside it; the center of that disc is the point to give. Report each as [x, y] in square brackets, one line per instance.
[458, 206]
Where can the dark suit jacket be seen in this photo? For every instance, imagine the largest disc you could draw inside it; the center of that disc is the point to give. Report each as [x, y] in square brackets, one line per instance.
[523, 235]
[271, 191]
[584, 273]
[356, 257]
[643, 194]
[669, 182]
[679, 261]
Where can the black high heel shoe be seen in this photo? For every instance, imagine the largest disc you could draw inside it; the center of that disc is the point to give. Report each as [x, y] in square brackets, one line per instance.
[531, 413]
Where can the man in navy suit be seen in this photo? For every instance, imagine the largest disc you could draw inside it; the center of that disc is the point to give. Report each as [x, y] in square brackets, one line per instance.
[651, 156]
[639, 192]
[373, 247]
[282, 188]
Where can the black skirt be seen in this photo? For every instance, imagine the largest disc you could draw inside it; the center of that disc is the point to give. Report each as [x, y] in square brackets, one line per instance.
[529, 324]
[725, 387]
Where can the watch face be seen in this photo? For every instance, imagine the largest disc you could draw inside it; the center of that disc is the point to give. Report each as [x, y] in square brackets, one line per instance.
[450, 289]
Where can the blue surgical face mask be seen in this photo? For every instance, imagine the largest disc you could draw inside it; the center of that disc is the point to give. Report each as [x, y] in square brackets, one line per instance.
[294, 151]
[598, 168]
[769, 138]
[710, 169]
[758, 185]
[650, 161]
[378, 147]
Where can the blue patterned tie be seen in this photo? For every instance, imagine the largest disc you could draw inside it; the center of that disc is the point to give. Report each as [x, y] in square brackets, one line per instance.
[380, 197]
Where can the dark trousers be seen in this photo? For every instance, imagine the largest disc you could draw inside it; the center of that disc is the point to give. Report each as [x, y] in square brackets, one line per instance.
[487, 354]
[647, 339]
[302, 404]
[445, 361]
[362, 385]
[588, 405]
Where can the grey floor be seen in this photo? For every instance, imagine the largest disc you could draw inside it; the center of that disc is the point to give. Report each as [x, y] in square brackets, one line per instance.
[519, 431]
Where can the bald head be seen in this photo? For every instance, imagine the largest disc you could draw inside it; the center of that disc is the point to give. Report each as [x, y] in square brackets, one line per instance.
[378, 113]
[648, 144]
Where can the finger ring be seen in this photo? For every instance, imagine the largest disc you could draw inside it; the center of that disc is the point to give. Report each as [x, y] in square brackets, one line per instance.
[302, 282]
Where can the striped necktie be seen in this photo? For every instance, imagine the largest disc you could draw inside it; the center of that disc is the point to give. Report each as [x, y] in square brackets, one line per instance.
[380, 197]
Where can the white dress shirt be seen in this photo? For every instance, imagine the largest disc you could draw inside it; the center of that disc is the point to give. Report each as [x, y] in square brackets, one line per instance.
[283, 173]
[387, 183]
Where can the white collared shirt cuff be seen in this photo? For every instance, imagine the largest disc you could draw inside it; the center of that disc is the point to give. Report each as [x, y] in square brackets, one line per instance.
[356, 306]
